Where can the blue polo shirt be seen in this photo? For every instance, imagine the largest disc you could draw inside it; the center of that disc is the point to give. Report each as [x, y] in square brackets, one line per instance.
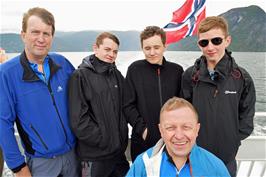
[46, 70]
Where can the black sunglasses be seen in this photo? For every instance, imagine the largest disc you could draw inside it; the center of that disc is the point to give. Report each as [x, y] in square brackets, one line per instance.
[215, 41]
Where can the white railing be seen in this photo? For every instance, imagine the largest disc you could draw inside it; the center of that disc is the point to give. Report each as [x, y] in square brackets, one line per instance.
[251, 168]
[251, 157]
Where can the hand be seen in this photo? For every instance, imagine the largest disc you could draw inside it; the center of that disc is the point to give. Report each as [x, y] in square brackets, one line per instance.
[24, 172]
[144, 135]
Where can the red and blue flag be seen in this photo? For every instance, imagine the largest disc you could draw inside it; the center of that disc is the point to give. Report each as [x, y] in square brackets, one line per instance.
[185, 20]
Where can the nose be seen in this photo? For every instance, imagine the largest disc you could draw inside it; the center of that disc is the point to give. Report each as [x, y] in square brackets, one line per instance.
[179, 133]
[111, 54]
[210, 46]
[41, 38]
[152, 52]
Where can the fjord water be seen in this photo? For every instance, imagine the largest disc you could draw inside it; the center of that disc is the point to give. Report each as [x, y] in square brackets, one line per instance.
[253, 62]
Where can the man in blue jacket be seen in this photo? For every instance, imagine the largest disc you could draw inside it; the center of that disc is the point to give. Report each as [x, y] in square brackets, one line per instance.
[177, 154]
[34, 96]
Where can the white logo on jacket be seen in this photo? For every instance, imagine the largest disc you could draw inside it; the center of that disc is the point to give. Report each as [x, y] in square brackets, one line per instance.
[230, 92]
[59, 88]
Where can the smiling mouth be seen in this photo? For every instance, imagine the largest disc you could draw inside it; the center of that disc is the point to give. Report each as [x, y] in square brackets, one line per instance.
[180, 143]
[40, 47]
[211, 53]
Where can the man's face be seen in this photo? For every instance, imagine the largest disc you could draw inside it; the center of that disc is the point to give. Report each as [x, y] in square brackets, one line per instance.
[107, 51]
[153, 49]
[212, 52]
[179, 130]
[37, 38]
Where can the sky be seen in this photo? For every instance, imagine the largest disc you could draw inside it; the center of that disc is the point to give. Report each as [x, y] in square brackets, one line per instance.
[78, 15]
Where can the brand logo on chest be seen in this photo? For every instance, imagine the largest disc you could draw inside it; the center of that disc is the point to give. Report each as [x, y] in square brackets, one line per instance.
[230, 92]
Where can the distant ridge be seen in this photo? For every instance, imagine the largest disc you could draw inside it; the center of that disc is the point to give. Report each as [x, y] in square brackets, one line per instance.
[247, 27]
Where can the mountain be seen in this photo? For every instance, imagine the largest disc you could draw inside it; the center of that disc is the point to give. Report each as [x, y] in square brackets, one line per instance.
[11, 42]
[81, 41]
[247, 26]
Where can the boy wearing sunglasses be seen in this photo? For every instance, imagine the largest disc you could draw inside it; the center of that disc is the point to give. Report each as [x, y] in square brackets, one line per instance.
[222, 92]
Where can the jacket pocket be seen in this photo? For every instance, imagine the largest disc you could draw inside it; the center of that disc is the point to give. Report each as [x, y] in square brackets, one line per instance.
[38, 135]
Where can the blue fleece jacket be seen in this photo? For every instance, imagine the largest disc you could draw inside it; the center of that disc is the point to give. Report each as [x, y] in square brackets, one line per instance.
[38, 109]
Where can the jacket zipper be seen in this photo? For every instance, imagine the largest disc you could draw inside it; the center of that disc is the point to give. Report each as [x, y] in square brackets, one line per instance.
[160, 87]
[52, 96]
[38, 135]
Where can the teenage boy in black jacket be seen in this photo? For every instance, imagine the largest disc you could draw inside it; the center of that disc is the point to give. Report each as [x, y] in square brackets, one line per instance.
[222, 92]
[95, 105]
[149, 84]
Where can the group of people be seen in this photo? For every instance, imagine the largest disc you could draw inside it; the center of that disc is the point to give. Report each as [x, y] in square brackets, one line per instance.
[75, 122]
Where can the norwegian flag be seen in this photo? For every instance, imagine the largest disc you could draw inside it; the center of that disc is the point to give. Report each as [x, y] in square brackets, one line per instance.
[185, 20]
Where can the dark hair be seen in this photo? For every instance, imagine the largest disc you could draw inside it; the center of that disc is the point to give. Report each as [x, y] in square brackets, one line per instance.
[150, 31]
[102, 36]
[46, 16]
[212, 23]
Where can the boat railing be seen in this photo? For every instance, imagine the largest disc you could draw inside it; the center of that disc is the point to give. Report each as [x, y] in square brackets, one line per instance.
[251, 156]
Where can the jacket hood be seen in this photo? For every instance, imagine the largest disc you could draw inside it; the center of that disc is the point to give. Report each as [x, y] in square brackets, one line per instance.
[95, 64]
[87, 62]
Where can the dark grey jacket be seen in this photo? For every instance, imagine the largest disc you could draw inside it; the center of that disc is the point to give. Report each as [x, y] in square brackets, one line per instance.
[226, 105]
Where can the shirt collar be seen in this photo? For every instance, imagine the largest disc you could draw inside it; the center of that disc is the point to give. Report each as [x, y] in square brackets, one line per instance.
[170, 159]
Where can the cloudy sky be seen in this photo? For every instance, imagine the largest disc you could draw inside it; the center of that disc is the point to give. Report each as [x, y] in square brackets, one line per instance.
[76, 15]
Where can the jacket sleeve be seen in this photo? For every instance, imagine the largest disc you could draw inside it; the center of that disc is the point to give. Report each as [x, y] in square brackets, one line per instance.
[13, 157]
[186, 86]
[82, 120]
[130, 105]
[247, 107]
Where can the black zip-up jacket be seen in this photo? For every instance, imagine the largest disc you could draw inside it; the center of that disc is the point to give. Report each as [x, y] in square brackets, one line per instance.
[95, 106]
[148, 86]
[226, 105]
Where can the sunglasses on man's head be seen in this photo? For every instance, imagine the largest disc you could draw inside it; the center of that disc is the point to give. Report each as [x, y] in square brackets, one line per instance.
[214, 41]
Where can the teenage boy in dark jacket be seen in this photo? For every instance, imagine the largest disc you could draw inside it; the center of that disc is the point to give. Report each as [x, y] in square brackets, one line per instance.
[95, 105]
[222, 92]
[149, 84]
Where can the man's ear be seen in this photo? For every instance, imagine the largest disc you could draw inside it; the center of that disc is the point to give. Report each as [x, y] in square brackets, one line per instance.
[228, 40]
[94, 48]
[198, 128]
[22, 35]
[166, 46]
[159, 125]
